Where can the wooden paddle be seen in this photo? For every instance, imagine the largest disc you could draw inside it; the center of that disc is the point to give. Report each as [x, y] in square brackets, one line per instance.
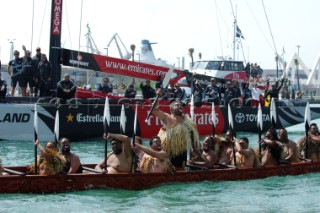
[135, 126]
[134, 157]
[35, 122]
[13, 172]
[192, 117]
[56, 128]
[213, 120]
[230, 119]
[307, 122]
[260, 127]
[273, 113]
[123, 121]
[165, 83]
[106, 124]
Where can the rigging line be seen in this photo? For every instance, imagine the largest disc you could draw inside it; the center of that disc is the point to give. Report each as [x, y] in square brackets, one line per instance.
[264, 9]
[68, 26]
[32, 25]
[44, 14]
[219, 30]
[254, 17]
[80, 29]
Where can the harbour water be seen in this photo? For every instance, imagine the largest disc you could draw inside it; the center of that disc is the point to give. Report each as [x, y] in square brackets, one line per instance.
[274, 194]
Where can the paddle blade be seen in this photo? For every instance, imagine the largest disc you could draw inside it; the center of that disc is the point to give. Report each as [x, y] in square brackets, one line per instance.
[259, 118]
[213, 119]
[35, 122]
[56, 128]
[230, 118]
[123, 121]
[273, 113]
[192, 107]
[106, 115]
[307, 118]
[135, 120]
[166, 79]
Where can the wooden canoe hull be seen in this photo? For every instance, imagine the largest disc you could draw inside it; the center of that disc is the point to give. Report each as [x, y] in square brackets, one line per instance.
[138, 181]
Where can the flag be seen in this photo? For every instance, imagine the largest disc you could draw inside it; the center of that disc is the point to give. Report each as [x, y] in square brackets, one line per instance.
[239, 33]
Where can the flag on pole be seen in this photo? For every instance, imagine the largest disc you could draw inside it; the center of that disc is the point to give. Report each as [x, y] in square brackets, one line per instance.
[239, 33]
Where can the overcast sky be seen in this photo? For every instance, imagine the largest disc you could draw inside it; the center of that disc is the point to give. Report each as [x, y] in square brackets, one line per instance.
[176, 25]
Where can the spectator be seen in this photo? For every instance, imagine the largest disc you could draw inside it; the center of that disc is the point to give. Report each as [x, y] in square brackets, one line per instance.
[247, 94]
[66, 88]
[171, 91]
[29, 74]
[15, 66]
[45, 73]
[236, 93]
[228, 93]
[3, 89]
[274, 91]
[197, 93]
[130, 92]
[105, 87]
[164, 94]
[256, 94]
[37, 59]
[179, 93]
[147, 90]
[213, 92]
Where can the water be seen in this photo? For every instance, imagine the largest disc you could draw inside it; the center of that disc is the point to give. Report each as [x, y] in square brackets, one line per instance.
[274, 194]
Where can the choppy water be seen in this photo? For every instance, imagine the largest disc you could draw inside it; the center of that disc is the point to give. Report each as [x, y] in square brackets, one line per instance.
[275, 194]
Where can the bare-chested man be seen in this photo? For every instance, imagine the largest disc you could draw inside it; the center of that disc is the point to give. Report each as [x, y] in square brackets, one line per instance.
[313, 140]
[209, 157]
[120, 159]
[226, 149]
[178, 134]
[73, 164]
[290, 151]
[155, 159]
[271, 154]
[245, 156]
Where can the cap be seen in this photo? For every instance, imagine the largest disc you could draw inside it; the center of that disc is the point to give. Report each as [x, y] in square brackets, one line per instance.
[66, 75]
[228, 82]
[212, 79]
[131, 86]
[28, 51]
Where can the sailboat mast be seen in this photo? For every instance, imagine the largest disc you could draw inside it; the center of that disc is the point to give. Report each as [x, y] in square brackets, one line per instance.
[234, 37]
[55, 41]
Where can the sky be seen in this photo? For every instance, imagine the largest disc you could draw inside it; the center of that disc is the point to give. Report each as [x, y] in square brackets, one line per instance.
[175, 25]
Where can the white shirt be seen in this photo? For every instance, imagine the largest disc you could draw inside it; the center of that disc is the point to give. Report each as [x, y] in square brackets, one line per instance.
[256, 92]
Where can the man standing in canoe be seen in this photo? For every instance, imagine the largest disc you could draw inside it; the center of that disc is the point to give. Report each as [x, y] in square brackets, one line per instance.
[178, 134]
[120, 159]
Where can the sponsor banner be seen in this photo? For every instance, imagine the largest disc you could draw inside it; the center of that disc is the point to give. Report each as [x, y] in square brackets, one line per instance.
[56, 17]
[117, 66]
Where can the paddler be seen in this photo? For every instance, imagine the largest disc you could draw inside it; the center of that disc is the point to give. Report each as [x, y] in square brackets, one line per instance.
[50, 162]
[178, 133]
[313, 141]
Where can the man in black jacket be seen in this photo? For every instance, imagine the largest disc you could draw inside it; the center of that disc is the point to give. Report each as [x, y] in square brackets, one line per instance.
[147, 90]
[66, 88]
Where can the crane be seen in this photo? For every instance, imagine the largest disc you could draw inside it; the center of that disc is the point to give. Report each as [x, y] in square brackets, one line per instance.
[116, 38]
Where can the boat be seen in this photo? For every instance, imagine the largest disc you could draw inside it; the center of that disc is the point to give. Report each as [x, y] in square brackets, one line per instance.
[20, 183]
[82, 117]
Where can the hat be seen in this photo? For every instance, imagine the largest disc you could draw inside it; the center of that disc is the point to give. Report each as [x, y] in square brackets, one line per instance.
[131, 86]
[28, 51]
[228, 82]
[212, 79]
[66, 75]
